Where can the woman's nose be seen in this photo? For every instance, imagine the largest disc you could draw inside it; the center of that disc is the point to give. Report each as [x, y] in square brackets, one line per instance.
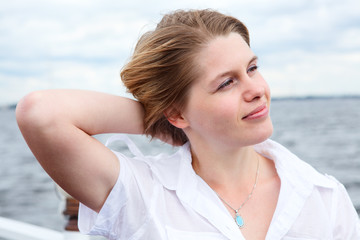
[253, 89]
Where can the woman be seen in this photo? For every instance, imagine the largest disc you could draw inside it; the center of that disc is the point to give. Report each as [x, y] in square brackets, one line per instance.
[197, 85]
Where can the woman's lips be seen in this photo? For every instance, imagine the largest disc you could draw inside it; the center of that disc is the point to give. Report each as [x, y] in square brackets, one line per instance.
[257, 113]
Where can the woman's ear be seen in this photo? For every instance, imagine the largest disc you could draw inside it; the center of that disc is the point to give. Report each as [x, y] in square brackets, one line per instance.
[176, 118]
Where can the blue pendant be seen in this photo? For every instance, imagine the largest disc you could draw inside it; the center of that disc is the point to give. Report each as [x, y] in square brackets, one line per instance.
[239, 220]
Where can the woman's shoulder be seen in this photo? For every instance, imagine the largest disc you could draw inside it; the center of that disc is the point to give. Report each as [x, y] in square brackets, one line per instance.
[316, 198]
[163, 167]
[292, 168]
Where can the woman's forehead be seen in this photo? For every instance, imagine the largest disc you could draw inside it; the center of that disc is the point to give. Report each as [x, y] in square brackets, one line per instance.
[223, 53]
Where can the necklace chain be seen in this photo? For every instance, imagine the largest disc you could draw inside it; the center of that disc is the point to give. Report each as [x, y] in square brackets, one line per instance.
[247, 199]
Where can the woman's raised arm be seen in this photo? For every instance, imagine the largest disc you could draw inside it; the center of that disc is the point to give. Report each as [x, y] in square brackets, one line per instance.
[58, 124]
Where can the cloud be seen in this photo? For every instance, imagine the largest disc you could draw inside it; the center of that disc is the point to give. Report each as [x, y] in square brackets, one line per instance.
[315, 27]
[304, 73]
[83, 44]
[63, 74]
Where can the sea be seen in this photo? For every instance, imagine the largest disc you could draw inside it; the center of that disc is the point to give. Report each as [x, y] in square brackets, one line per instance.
[325, 132]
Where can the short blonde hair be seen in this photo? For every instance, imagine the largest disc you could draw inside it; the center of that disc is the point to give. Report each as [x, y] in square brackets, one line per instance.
[162, 67]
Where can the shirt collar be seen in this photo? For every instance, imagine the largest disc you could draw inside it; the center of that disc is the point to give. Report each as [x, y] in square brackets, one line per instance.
[290, 168]
[298, 179]
[176, 173]
[171, 170]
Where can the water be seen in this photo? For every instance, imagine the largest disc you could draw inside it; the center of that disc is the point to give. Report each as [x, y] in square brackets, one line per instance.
[323, 132]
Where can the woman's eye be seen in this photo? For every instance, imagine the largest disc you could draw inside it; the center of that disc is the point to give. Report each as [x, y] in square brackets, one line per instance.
[226, 83]
[252, 68]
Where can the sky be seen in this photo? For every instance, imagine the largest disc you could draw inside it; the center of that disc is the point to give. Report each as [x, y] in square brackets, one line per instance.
[305, 47]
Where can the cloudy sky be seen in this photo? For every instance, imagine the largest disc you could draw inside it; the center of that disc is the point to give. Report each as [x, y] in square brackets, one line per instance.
[306, 47]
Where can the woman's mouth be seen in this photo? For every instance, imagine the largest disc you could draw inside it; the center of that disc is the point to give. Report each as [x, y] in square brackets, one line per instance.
[257, 113]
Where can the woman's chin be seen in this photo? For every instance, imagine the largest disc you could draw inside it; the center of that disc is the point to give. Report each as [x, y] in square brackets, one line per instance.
[262, 133]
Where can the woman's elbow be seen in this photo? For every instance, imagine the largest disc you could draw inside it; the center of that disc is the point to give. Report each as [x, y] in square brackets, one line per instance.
[33, 110]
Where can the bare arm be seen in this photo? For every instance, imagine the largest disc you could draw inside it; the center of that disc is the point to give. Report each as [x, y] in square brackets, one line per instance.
[58, 124]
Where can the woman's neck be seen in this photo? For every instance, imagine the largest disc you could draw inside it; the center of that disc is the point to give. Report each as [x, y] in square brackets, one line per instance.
[224, 170]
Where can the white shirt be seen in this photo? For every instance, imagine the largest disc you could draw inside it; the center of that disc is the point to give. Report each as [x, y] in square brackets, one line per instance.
[161, 197]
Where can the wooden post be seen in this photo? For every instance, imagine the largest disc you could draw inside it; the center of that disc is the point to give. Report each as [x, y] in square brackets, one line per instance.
[71, 213]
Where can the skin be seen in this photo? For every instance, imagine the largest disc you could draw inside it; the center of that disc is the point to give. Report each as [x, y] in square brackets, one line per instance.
[58, 124]
[215, 118]
[222, 134]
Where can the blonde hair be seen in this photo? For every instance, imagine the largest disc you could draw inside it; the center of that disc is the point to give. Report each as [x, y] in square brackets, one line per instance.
[162, 67]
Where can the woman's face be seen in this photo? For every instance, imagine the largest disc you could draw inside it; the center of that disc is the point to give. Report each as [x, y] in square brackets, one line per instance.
[229, 103]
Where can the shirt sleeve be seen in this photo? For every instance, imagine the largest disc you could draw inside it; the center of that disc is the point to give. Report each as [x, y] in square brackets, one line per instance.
[347, 222]
[125, 204]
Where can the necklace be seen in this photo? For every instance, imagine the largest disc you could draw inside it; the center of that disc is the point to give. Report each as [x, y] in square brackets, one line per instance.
[238, 219]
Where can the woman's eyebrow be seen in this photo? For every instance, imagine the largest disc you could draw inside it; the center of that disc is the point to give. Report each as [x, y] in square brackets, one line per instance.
[221, 75]
[254, 58]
